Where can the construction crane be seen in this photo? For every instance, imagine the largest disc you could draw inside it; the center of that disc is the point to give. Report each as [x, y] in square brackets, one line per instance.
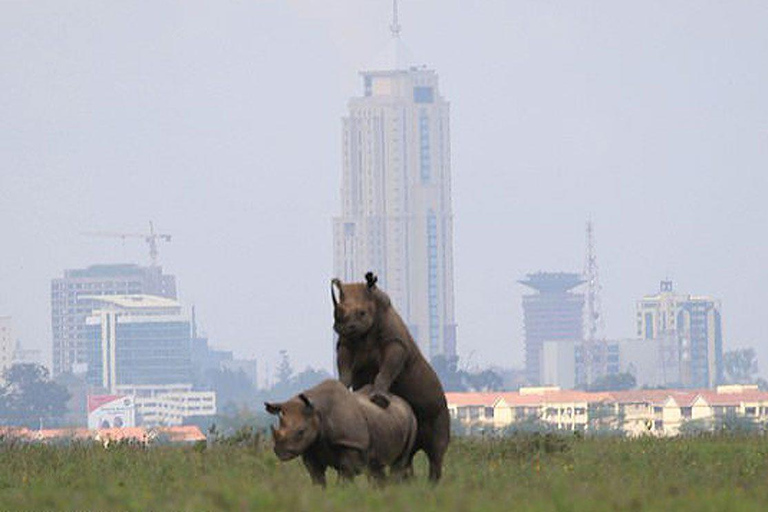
[152, 239]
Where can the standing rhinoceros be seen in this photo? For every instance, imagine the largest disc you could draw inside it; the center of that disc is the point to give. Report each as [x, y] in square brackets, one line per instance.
[328, 425]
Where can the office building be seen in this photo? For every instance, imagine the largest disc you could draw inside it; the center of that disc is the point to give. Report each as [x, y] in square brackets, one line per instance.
[396, 216]
[553, 313]
[68, 312]
[690, 322]
[136, 340]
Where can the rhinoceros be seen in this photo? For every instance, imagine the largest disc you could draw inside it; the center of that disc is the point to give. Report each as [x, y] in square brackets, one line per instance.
[375, 348]
[331, 426]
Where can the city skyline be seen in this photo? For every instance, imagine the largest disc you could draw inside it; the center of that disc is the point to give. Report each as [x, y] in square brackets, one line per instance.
[222, 125]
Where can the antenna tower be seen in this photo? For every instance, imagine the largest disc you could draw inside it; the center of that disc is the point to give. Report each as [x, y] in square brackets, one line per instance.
[594, 313]
[395, 26]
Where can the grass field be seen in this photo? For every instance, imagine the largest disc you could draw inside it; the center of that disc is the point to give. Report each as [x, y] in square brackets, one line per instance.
[517, 473]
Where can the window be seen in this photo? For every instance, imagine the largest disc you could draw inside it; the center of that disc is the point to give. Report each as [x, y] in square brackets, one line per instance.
[424, 153]
[423, 94]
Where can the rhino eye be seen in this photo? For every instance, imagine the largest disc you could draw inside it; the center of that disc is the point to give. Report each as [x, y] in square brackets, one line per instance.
[360, 314]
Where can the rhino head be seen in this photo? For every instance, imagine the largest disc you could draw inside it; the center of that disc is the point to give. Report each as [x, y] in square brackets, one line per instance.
[356, 306]
[299, 426]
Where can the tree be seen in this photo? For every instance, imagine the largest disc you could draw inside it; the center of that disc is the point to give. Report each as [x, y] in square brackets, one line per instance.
[284, 389]
[29, 397]
[486, 380]
[448, 372]
[234, 387]
[457, 380]
[614, 382]
[740, 366]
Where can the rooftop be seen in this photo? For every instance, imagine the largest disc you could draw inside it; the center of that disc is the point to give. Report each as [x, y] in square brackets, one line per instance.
[116, 270]
[134, 301]
[552, 282]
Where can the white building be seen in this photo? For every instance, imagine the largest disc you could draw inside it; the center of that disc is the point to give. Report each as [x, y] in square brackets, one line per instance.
[396, 217]
[7, 344]
[170, 404]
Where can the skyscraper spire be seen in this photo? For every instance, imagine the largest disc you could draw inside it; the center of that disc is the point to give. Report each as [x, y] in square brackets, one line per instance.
[395, 26]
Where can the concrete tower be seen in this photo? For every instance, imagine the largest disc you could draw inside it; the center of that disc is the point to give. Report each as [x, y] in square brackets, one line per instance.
[396, 217]
[554, 313]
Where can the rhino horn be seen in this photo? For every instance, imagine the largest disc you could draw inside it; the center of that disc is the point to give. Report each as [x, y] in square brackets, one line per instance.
[336, 285]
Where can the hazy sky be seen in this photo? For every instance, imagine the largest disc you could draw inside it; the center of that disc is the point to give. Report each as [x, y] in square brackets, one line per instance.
[220, 121]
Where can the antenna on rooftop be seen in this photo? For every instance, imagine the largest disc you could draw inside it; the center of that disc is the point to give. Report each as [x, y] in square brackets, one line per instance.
[395, 26]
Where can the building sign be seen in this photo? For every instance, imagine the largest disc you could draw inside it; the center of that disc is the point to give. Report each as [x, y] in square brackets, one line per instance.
[111, 411]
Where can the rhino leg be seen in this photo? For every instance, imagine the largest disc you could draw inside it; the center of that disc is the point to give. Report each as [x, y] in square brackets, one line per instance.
[350, 464]
[434, 436]
[402, 471]
[316, 469]
[377, 474]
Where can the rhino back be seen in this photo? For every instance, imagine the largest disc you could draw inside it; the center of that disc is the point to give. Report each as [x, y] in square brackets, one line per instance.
[341, 418]
[392, 430]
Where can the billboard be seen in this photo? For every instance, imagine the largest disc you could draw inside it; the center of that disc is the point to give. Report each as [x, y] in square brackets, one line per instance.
[111, 411]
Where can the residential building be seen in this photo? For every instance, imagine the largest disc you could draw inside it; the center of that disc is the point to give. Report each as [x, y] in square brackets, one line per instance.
[396, 215]
[68, 312]
[553, 313]
[7, 344]
[655, 412]
[693, 324]
[136, 340]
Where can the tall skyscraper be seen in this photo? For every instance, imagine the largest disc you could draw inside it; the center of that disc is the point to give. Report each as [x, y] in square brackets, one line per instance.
[692, 324]
[396, 218]
[554, 313]
[68, 311]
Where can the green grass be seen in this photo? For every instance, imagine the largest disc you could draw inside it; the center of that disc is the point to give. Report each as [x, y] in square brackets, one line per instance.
[516, 473]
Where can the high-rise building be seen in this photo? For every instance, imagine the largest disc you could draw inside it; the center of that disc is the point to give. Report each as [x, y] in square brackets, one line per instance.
[68, 312]
[553, 313]
[7, 344]
[137, 340]
[692, 323]
[396, 217]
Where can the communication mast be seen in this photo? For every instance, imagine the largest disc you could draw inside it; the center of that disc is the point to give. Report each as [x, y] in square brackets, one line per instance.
[594, 317]
[395, 26]
[594, 313]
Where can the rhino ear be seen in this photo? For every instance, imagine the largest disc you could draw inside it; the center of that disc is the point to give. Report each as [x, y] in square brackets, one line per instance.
[273, 408]
[309, 407]
[370, 280]
[336, 285]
